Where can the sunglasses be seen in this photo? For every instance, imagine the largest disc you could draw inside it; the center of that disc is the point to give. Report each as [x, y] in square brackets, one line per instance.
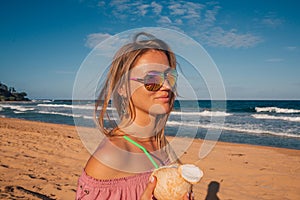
[154, 80]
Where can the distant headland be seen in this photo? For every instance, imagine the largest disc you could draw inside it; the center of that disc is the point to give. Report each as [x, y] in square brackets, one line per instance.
[10, 94]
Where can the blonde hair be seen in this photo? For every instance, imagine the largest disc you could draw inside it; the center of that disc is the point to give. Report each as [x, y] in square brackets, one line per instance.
[118, 76]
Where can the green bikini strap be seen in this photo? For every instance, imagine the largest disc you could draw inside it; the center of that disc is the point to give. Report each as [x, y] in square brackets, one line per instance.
[143, 149]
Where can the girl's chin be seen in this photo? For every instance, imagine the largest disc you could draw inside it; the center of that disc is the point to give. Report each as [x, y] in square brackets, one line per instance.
[159, 109]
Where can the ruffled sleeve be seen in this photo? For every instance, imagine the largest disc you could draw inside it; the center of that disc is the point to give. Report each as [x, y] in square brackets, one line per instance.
[127, 188]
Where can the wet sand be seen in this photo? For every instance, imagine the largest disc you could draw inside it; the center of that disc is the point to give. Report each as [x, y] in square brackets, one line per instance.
[44, 161]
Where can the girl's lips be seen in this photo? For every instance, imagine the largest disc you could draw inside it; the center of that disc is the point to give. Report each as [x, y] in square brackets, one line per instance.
[162, 95]
[163, 98]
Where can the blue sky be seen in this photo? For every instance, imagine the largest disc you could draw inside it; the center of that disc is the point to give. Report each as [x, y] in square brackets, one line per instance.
[255, 44]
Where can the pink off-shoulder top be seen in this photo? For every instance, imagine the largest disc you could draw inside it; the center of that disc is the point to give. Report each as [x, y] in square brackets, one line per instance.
[127, 188]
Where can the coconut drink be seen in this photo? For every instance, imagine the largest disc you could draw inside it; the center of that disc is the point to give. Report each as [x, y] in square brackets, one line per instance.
[173, 182]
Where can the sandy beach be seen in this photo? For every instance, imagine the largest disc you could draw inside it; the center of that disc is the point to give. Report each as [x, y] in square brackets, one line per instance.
[44, 161]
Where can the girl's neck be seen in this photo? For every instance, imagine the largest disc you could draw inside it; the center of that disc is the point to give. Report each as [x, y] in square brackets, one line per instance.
[143, 129]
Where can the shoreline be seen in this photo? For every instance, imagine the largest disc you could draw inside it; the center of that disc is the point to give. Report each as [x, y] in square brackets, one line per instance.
[262, 123]
[47, 159]
[219, 141]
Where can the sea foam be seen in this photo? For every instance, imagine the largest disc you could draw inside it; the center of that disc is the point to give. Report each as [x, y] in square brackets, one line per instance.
[16, 107]
[65, 114]
[251, 130]
[276, 110]
[204, 113]
[84, 107]
[264, 116]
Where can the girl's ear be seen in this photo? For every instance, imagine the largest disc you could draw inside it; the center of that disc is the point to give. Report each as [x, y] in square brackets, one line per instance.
[122, 91]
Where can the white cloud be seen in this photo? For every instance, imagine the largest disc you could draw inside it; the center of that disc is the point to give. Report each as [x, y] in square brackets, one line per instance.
[119, 3]
[220, 37]
[210, 15]
[176, 9]
[164, 20]
[156, 8]
[291, 48]
[185, 9]
[95, 38]
[142, 9]
[274, 60]
[193, 18]
[101, 3]
[124, 9]
[271, 20]
[178, 21]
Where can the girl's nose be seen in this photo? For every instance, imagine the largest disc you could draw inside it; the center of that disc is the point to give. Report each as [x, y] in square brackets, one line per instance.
[166, 85]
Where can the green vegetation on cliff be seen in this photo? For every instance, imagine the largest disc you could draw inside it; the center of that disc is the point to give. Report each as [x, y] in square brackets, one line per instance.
[10, 94]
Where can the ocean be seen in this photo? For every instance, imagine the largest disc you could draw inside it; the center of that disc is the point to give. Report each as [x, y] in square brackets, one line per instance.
[258, 122]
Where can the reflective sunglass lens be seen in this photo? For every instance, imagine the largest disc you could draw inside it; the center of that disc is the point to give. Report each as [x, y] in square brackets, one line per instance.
[153, 87]
[171, 79]
[153, 82]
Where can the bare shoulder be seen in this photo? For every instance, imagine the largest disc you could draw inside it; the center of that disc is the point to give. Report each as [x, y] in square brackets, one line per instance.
[108, 159]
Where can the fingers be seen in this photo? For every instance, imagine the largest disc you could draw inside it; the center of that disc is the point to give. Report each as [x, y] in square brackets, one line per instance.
[186, 196]
[189, 196]
[148, 192]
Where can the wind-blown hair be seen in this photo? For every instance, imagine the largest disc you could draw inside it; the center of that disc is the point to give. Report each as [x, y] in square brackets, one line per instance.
[118, 76]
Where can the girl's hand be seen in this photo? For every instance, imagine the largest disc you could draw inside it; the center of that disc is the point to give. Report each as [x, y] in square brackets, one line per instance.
[148, 192]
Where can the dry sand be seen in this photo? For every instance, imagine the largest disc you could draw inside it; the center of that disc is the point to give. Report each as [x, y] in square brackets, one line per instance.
[44, 161]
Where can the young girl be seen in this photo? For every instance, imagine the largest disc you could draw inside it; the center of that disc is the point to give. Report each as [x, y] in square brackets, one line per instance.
[141, 85]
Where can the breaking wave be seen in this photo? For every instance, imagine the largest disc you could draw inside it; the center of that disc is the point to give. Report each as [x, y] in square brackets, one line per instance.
[204, 113]
[264, 116]
[276, 110]
[231, 128]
